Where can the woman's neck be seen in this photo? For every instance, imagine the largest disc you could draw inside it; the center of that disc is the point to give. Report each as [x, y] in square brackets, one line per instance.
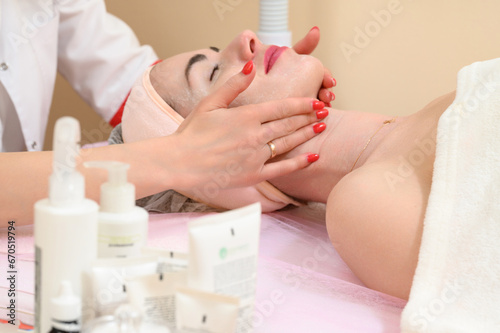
[348, 135]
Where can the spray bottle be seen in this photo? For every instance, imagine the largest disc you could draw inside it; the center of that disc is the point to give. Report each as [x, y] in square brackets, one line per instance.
[65, 226]
[123, 227]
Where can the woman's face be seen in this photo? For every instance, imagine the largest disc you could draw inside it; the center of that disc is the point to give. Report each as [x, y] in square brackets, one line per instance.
[183, 80]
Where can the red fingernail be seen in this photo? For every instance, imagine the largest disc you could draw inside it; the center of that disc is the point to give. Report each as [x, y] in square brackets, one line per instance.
[312, 158]
[328, 104]
[318, 105]
[248, 68]
[320, 127]
[315, 27]
[334, 82]
[321, 114]
[333, 96]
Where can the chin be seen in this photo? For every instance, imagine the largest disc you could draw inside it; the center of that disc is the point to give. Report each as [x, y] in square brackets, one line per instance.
[310, 71]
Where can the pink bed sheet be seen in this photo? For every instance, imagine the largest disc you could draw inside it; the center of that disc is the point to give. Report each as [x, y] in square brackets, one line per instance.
[303, 285]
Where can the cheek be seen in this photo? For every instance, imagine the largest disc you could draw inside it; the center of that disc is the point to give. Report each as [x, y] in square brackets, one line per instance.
[185, 104]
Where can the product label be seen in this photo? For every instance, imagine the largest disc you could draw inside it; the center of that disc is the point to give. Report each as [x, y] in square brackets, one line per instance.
[160, 308]
[125, 240]
[237, 278]
[38, 287]
[168, 267]
[119, 246]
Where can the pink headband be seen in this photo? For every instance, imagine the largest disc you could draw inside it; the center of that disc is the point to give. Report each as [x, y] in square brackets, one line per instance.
[147, 115]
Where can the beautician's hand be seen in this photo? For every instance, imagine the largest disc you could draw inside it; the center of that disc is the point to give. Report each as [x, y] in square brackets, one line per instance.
[231, 148]
[306, 46]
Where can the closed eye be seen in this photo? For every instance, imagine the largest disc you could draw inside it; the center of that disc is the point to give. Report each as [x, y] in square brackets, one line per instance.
[216, 68]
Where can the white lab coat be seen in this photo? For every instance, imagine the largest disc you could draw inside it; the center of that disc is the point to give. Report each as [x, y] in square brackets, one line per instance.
[97, 53]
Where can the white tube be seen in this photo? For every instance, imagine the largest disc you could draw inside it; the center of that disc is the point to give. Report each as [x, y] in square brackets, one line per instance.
[273, 23]
[223, 251]
[154, 296]
[204, 312]
[108, 280]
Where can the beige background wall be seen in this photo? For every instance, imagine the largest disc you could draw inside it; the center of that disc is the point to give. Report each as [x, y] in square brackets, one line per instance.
[388, 56]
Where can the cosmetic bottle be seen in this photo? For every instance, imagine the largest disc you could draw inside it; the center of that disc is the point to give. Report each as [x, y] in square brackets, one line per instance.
[65, 310]
[123, 227]
[65, 226]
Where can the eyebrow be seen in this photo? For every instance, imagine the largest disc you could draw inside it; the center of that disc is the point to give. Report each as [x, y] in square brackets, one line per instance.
[194, 59]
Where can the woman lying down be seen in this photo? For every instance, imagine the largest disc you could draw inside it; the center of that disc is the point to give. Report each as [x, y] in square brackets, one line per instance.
[374, 172]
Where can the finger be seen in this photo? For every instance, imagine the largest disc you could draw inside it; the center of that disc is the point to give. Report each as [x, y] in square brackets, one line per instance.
[326, 96]
[307, 44]
[234, 86]
[284, 108]
[288, 142]
[279, 128]
[328, 80]
[281, 168]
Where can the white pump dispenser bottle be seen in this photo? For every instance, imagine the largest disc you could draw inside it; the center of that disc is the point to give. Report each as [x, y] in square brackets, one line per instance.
[123, 227]
[65, 226]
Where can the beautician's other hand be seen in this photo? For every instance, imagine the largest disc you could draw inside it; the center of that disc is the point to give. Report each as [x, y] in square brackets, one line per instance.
[306, 46]
[231, 147]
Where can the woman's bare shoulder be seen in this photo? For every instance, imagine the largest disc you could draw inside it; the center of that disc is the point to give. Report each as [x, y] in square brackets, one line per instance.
[376, 192]
[377, 229]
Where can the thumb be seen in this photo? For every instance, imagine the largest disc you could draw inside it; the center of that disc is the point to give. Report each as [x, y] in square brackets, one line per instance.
[234, 86]
[307, 44]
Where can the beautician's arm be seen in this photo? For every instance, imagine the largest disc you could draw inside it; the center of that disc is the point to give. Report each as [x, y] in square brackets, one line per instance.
[213, 144]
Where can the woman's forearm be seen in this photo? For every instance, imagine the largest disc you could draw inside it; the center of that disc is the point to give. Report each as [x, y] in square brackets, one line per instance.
[25, 177]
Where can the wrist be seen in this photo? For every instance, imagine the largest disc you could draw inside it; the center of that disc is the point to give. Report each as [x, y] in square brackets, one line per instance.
[155, 164]
[150, 170]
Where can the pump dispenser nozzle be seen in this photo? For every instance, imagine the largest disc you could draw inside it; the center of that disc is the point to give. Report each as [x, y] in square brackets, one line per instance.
[67, 186]
[117, 195]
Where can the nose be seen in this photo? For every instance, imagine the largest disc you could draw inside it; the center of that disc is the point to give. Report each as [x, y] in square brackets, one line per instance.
[244, 46]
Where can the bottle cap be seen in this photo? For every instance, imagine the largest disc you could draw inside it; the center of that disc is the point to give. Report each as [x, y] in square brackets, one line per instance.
[66, 307]
[117, 195]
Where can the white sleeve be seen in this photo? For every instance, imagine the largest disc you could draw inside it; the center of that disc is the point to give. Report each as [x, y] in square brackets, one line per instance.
[99, 54]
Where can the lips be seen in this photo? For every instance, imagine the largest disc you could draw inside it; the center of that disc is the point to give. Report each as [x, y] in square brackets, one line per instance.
[272, 55]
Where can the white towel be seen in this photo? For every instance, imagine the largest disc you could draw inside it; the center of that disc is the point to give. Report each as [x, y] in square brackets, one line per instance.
[456, 287]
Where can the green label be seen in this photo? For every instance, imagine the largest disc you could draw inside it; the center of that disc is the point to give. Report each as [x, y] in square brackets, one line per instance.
[223, 253]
